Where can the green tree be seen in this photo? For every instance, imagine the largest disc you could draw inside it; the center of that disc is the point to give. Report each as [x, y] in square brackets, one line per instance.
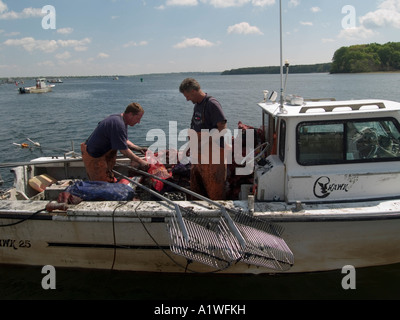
[367, 58]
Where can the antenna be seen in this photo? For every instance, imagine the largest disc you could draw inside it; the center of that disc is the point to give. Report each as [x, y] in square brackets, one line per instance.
[281, 109]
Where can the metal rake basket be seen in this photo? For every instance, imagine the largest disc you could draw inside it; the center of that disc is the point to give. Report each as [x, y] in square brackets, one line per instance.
[264, 246]
[203, 239]
[220, 241]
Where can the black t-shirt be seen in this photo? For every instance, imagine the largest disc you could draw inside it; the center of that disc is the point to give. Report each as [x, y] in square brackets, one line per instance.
[207, 114]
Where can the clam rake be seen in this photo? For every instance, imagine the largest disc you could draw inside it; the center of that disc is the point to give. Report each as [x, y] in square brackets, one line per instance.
[202, 239]
[258, 241]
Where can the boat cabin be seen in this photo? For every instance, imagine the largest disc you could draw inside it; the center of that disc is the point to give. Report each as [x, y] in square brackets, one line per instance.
[329, 151]
[41, 83]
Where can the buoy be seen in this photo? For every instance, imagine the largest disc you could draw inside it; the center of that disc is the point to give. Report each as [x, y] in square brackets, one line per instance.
[22, 145]
[37, 144]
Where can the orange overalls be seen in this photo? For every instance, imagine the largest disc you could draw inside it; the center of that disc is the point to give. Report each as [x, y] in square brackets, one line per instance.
[208, 179]
[99, 169]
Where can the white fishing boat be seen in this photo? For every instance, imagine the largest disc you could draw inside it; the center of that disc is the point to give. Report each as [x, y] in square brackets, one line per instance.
[323, 193]
[325, 197]
[40, 87]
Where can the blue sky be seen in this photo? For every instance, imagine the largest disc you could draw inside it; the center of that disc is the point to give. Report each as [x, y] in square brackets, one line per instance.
[130, 37]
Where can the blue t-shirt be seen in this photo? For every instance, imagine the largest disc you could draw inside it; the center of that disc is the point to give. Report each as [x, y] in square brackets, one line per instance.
[110, 134]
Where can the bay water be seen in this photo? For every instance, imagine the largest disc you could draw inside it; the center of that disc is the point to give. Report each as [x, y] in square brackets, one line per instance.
[60, 120]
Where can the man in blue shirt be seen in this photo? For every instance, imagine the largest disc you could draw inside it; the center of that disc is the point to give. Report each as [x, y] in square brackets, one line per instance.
[99, 152]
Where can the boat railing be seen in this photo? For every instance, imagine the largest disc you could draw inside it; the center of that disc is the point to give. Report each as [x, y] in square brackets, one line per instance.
[348, 107]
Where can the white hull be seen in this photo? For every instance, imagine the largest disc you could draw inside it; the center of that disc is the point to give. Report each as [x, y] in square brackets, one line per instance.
[336, 208]
[108, 235]
[36, 90]
[41, 87]
[40, 90]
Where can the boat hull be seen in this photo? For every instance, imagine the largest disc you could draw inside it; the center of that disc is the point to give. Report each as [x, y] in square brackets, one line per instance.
[35, 90]
[133, 236]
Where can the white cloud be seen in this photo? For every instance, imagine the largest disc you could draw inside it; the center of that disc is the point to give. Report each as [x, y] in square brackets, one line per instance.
[30, 44]
[356, 33]
[193, 42]
[315, 9]
[26, 13]
[381, 18]
[387, 14]
[181, 3]
[3, 7]
[135, 44]
[306, 23]
[63, 56]
[263, 3]
[293, 3]
[80, 48]
[103, 55]
[65, 30]
[218, 3]
[226, 3]
[390, 5]
[243, 28]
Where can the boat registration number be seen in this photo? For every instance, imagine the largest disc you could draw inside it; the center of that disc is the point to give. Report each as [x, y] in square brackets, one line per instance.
[15, 244]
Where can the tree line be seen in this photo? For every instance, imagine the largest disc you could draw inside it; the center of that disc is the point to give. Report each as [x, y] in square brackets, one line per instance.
[310, 68]
[371, 57]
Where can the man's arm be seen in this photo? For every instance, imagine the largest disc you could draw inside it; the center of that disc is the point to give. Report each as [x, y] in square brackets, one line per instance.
[136, 161]
[133, 146]
[221, 125]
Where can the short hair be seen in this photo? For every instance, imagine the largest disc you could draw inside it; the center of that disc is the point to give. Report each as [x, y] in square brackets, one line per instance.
[134, 108]
[189, 84]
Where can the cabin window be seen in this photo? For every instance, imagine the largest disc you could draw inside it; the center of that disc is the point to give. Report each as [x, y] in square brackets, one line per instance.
[348, 141]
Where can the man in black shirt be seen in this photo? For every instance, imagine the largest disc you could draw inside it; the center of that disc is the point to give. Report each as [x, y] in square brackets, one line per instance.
[208, 178]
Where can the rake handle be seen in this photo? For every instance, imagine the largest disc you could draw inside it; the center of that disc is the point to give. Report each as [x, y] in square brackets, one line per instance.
[177, 209]
[231, 224]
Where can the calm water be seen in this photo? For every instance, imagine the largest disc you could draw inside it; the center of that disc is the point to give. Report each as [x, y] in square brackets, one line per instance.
[70, 113]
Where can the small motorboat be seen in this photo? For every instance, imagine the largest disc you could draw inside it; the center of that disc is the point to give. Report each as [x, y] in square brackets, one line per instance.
[40, 87]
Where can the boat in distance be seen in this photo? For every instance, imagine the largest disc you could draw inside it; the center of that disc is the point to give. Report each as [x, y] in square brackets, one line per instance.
[323, 194]
[40, 87]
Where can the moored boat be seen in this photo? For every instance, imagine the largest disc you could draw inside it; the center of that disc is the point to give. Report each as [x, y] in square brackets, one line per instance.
[325, 194]
[40, 87]
[55, 80]
[322, 193]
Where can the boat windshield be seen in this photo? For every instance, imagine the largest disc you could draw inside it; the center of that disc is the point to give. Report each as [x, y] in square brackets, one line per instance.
[348, 141]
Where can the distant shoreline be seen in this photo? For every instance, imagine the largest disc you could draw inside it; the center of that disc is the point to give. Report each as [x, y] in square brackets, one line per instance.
[305, 68]
[11, 80]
